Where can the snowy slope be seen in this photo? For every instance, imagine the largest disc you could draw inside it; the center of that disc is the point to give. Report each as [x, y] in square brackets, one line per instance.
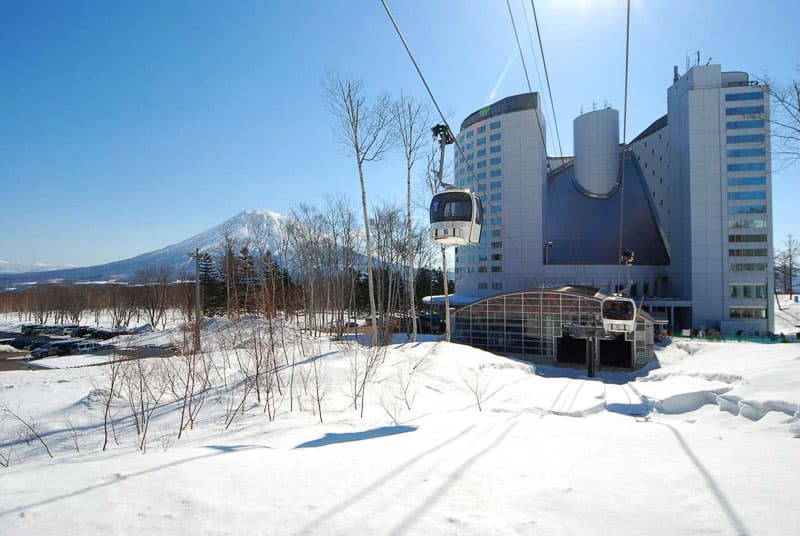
[551, 452]
[174, 256]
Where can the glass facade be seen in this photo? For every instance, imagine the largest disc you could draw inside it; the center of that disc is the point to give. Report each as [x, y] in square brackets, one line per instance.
[747, 291]
[747, 181]
[753, 95]
[739, 153]
[734, 196]
[756, 123]
[531, 324]
[746, 138]
[744, 110]
[748, 166]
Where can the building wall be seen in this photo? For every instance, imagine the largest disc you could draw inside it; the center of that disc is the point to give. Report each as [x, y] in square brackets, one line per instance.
[510, 181]
[706, 168]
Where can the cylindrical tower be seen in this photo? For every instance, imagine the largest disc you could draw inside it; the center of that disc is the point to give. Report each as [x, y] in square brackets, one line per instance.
[597, 157]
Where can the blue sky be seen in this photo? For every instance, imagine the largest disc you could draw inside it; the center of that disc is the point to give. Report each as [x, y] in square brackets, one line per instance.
[128, 126]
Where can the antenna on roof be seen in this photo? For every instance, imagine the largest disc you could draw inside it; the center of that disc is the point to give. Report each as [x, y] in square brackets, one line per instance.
[709, 60]
[675, 76]
[697, 55]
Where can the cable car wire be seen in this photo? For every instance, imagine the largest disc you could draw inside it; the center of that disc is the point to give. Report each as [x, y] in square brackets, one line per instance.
[624, 141]
[547, 78]
[525, 68]
[460, 149]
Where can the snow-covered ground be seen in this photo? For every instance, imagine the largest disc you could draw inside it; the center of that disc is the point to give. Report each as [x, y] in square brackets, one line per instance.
[707, 444]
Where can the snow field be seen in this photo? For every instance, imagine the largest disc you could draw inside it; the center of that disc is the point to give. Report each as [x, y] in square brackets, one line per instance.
[550, 452]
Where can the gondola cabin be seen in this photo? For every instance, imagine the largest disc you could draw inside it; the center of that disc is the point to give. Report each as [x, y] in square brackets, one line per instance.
[619, 314]
[456, 217]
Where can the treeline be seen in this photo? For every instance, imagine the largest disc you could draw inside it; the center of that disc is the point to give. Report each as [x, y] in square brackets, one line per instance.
[147, 299]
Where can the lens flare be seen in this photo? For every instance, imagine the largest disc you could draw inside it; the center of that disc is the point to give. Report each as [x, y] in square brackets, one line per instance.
[503, 74]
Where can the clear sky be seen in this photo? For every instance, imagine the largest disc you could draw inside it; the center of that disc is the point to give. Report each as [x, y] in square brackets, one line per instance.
[128, 126]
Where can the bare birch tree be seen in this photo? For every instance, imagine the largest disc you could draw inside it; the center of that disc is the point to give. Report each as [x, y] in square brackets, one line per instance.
[363, 131]
[411, 118]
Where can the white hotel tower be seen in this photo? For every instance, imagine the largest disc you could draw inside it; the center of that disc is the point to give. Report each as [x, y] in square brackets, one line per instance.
[697, 203]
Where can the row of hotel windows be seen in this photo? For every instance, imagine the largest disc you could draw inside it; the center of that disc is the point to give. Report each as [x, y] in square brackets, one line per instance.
[481, 129]
[747, 181]
[753, 123]
[747, 224]
[739, 153]
[747, 291]
[495, 286]
[744, 110]
[747, 209]
[748, 267]
[760, 252]
[480, 153]
[748, 312]
[757, 238]
[752, 95]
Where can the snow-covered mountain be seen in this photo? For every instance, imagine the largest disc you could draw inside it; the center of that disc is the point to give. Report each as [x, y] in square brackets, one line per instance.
[244, 228]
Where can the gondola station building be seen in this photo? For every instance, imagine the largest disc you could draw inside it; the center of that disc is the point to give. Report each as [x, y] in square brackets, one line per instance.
[691, 198]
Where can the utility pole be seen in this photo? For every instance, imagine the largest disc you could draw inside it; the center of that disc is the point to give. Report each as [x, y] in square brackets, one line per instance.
[196, 257]
[445, 137]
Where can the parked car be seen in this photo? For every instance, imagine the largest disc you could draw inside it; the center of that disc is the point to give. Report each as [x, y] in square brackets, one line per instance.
[45, 350]
[85, 347]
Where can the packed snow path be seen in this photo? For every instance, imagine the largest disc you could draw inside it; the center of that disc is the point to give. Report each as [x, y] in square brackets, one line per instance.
[552, 452]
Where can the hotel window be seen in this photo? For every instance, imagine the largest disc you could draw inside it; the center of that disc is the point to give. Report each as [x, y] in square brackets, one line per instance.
[483, 257]
[748, 267]
[481, 175]
[482, 270]
[495, 161]
[747, 291]
[481, 187]
[493, 125]
[497, 269]
[494, 137]
[495, 185]
[747, 224]
[497, 257]
[470, 133]
[738, 153]
[742, 110]
[482, 286]
[748, 312]
[497, 245]
[760, 252]
[757, 95]
[481, 141]
[748, 166]
[747, 181]
[496, 209]
[496, 232]
[747, 209]
[746, 138]
[756, 123]
[482, 164]
[747, 238]
[470, 156]
[481, 152]
[497, 196]
[468, 146]
[497, 286]
[736, 196]
[495, 173]
[494, 149]
[481, 129]
[496, 220]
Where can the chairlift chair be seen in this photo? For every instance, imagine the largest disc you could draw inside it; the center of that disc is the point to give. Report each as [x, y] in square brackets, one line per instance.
[456, 216]
[619, 314]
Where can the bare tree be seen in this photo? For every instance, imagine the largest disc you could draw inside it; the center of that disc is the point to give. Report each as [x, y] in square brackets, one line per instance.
[787, 266]
[784, 119]
[363, 131]
[153, 293]
[411, 118]
[477, 384]
[30, 426]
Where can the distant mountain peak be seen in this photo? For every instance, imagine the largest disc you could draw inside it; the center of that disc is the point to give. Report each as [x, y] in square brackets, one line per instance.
[243, 228]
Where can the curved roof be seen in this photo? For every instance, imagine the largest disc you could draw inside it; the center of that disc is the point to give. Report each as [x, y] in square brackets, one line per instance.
[515, 103]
